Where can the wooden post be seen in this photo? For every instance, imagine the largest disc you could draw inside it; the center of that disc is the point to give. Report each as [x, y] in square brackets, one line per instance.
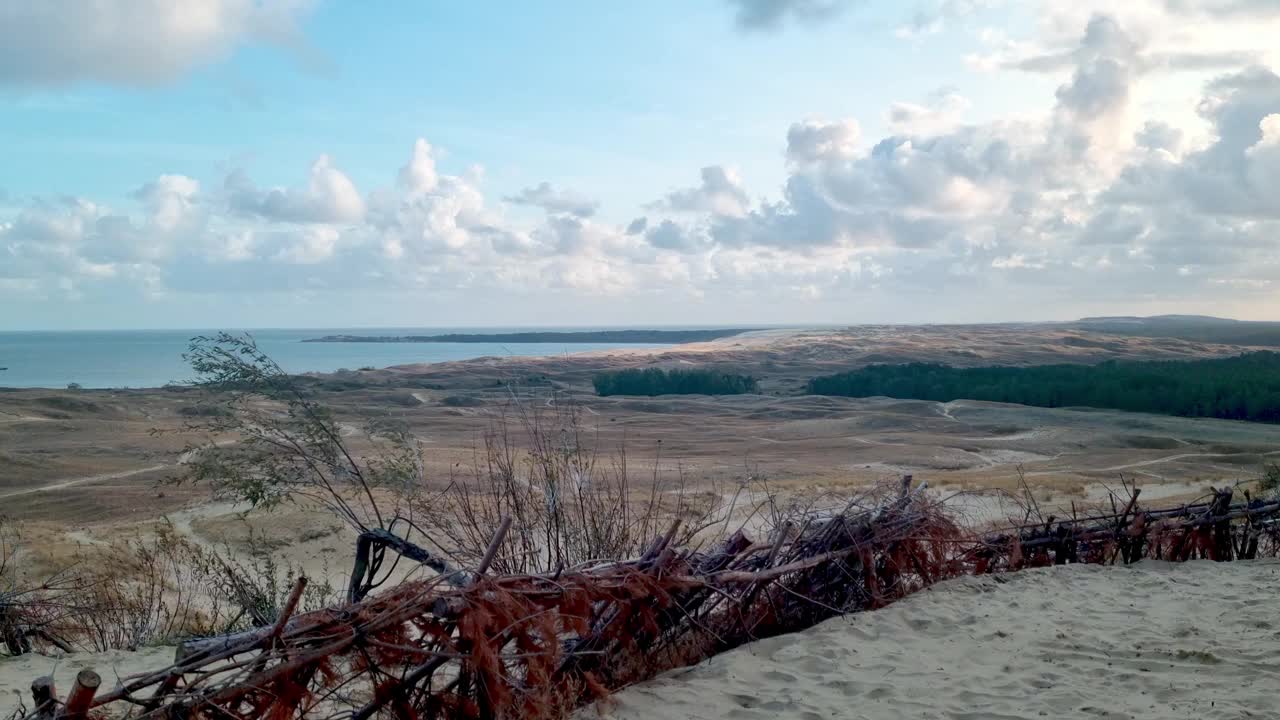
[44, 697]
[289, 607]
[660, 544]
[491, 553]
[81, 696]
[1221, 549]
[354, 590]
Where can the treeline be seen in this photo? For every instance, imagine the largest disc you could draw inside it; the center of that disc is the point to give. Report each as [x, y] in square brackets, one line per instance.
[1239, 388]
[654, 381]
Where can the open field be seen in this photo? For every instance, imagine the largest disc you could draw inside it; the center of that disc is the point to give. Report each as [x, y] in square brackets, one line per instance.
[85, 464]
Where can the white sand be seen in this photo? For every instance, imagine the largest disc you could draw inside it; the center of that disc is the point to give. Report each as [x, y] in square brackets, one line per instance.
[17, 673]
[1162, 641]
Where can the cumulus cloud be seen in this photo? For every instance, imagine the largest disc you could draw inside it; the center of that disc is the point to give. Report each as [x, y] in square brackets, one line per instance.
[943, 111]
[637, 226]
[555, 200]
[1162, 36]
[720, 193]
[1157, 135]
[419, 174]
[667, 235]
[171, 201]
[1231, 176]
[311, 245]
[1098, 189]
[813, 140]
[133, 42]
[329, 196]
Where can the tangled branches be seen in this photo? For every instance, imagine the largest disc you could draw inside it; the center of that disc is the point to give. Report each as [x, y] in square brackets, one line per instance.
[536, 645]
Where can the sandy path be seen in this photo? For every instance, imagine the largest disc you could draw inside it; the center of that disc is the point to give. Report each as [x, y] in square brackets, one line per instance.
[1154, 641]
[63, 484]
[183, 459]
[1182, 456]
[11, 418]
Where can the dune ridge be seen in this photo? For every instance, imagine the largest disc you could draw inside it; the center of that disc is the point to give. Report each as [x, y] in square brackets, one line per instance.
[1149, 641]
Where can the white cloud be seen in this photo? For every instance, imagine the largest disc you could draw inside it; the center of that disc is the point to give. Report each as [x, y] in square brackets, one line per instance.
[940, 114]
[329, 197]
[720, 193]
[171, 201]
[555, 200]
[1263, 160]
[419, 174]
[133, 42]
[313, 244]
[1101, 193]
[811, 141]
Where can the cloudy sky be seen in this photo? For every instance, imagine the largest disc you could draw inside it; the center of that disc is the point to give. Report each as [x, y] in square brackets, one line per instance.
[297, 163]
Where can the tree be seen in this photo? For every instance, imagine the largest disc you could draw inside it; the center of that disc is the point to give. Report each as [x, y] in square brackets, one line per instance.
[278, 443]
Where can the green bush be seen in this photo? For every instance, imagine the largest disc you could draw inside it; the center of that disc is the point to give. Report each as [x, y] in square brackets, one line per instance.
[654, 381]
[461, 401]
[1269, 485]
[1239, 388]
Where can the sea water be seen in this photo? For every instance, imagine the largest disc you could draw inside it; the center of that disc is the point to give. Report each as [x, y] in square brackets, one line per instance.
[152, 358]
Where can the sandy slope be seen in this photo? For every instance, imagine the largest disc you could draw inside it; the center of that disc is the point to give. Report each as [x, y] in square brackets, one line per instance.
[16, 674]
[1197, 640]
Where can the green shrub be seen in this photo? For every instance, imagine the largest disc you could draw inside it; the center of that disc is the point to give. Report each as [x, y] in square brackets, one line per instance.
[654, 381]
[207, 411]
[462, 401]
[1269, 485]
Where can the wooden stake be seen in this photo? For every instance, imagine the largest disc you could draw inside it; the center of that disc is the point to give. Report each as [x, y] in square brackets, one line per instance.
[289, 607]
[81, 697]
[494, 544]
[44, 696]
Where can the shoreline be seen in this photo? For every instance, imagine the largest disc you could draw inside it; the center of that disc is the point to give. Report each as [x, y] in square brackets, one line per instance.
[638, 337]
[161, 367]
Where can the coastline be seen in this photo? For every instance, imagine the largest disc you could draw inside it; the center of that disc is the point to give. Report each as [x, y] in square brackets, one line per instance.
[149, 360]
[638, 337]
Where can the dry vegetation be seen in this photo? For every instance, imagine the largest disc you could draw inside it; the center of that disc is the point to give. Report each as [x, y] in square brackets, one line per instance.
[563, 568]
[83, 469]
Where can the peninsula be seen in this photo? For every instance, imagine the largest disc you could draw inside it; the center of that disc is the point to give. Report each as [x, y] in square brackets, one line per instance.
[638, 337]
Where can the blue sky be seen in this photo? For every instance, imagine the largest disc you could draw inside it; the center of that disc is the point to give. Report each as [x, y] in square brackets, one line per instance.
[828, 161]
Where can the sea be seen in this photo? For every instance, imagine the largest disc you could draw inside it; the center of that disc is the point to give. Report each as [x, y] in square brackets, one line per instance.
[153, 358]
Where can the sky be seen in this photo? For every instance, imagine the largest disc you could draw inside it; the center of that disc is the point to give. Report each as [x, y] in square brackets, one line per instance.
[315, 163]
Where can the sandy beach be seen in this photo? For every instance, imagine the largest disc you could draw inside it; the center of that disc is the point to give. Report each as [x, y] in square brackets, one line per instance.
[1150, 641]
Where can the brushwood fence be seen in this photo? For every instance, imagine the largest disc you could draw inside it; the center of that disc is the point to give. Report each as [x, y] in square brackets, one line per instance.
[538, 646]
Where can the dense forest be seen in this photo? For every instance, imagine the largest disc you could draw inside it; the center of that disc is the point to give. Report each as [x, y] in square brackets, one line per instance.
[1188, 327]
[653, 381]
[1239, 388]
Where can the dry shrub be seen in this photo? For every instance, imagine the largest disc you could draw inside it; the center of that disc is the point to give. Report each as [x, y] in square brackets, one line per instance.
[153, 588]
[31, 612]
[164, 587]
[259, 586]
[569, 503]
[144, 591]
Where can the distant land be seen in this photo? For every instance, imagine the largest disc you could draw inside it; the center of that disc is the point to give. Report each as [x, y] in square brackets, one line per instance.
[1197, 328]
[639, 337]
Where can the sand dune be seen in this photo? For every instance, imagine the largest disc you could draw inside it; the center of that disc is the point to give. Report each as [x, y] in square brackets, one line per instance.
[1194, 640]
